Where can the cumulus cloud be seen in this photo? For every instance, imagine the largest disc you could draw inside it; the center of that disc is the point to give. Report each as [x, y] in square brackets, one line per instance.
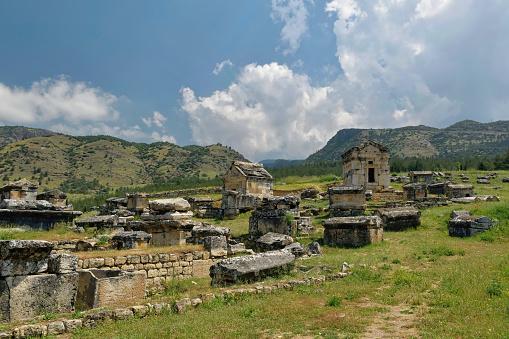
[293, 14]
[157, 119]
[220, 65]
[402, 62]
[268, 109]
[163, 137]
[52, 99]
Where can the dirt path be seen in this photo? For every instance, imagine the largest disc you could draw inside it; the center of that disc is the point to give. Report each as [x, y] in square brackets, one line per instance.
[399, 321]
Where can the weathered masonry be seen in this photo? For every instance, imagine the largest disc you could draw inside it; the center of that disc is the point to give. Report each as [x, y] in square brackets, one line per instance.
[367, 165]
[248, 178]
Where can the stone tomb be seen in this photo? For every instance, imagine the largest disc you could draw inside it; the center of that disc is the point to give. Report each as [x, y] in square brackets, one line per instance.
[275, 214]
[101, 288]
[131, 240]
[352, 231]
[462, 224]
[346, 201]
[459, 190]
[399, 218]
[33, 282]
[251, 268]
[415, 191]
[165, 232]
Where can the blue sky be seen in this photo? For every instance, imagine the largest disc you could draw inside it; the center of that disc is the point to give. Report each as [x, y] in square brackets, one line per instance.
[269, 78]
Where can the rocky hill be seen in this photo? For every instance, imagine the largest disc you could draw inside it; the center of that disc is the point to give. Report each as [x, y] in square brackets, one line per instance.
[53, 159]
[466, 137]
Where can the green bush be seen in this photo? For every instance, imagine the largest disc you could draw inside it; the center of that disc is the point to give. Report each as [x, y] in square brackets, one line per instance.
[334, 301]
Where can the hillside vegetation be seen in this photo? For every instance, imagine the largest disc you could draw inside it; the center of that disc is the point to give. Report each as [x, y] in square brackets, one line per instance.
[465, 138]
[75, 163]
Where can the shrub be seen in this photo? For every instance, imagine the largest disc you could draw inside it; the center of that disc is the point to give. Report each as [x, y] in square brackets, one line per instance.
[334, 301]
[494, 289]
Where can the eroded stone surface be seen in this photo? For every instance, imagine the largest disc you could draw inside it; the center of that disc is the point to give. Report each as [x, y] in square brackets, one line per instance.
[251, 267]
[273, 241]
[23, 257]
[399, 218]
[353, 231]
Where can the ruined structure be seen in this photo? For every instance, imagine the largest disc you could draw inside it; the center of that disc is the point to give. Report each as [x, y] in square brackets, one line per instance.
[459, 190]
[20, 205]
[345, 201]
[102, 288]
[415, 191]
[205, 207]
[275, 214]
[462, 224]
[425, 177]
[352, 231]
[399, 218]
[130, 240]
[33, 282]
[248, 178]
[244, 184]
[137, 202]
[251, 268]
[367, 165]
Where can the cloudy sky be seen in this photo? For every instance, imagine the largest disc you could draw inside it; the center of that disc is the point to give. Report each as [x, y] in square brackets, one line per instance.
[273, 79]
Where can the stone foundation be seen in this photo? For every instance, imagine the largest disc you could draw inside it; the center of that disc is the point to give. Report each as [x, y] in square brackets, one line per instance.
[157, 268]
[352, 231]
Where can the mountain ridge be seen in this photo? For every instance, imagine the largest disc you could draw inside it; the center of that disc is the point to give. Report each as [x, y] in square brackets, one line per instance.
[466, 137]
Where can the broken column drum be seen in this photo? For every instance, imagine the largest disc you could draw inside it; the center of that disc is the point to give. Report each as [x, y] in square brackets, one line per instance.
[352, 231]
[345, 201]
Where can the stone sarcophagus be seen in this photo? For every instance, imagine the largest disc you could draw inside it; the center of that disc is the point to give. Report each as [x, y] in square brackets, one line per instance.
[462, 224]
[275, 214]
[352, 231]
[459, 190]
[415, 191]
[345, 201]
[100, 288]
[251, 268]
[399, 218]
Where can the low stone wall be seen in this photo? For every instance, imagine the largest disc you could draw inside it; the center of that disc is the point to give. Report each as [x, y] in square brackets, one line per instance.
[93, 318]
[158, 268]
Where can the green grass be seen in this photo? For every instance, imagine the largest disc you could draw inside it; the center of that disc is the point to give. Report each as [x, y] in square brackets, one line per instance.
[454, 287]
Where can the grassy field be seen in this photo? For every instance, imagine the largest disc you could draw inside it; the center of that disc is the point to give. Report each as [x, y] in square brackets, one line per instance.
[416, 283]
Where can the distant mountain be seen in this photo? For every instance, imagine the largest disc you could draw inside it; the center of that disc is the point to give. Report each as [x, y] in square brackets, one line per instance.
[466, 137]
[53, 159]
[9, 134]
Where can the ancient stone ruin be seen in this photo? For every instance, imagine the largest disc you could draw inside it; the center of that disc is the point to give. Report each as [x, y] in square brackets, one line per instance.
[459, 190]
[251, 268]
[102, 288]
[352, 231]
[273, 241]
[33, 282]
[130, 240]
[367, 165]
[399, 218]
[346, 201]
[244, 184]
[462, 224]
[274, 214]
[21, 205]
[415, 191]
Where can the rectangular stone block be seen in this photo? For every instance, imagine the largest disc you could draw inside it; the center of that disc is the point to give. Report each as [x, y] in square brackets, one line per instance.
[352, 231]
[62, 263]
[23, 257]
[25, 297]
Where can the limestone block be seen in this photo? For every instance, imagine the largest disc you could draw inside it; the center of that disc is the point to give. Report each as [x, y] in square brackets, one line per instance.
[353, 231]
[62, 263]
[23, 257]
[251, 267]
[399, 218]
[201, 268]
[168, 205]
[273, 241]
[216, 245]
[24, 297]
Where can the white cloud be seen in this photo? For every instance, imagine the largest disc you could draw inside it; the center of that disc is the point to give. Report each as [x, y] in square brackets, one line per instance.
[220, 65]
[403, 62]
[293, 14]
[165, 138]
[52, 99]
[157, 119]
[268, 110]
